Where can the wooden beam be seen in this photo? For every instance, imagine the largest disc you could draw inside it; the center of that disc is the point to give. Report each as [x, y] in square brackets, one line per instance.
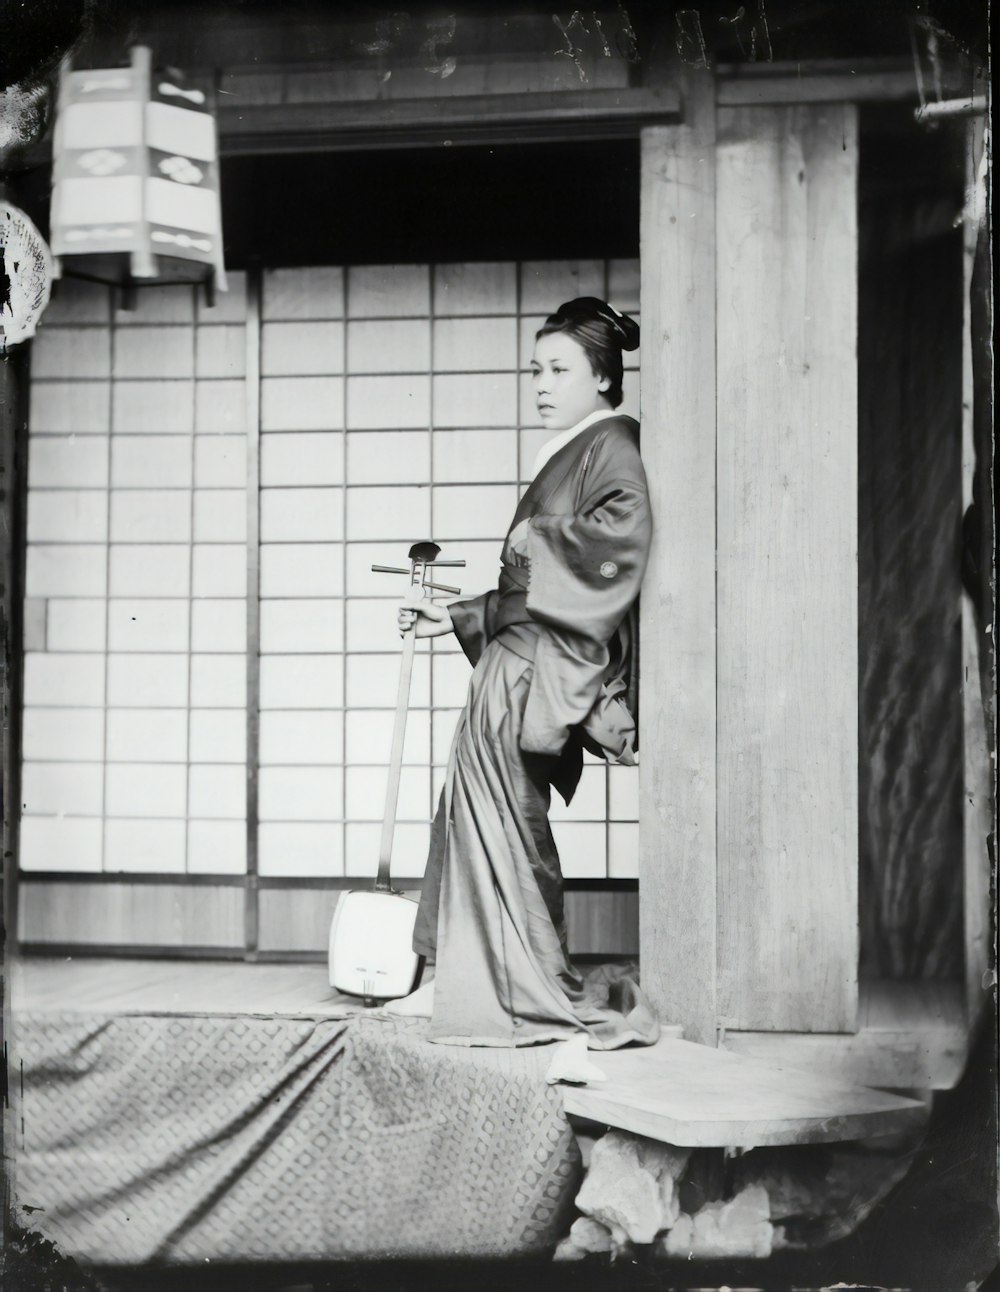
[14, 376]
[841, 87]
[252, 342]
[677, 832]
[321, 127]
[787, 575]
[200, 37]
[789, 68]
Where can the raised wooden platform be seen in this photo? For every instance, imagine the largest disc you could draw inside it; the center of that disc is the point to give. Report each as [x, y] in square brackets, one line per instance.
[758, 1089]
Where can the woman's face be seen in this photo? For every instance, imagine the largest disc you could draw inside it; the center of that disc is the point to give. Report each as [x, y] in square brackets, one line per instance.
[566, 387]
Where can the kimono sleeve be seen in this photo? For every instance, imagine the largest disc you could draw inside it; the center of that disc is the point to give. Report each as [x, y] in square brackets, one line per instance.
[587, 566]
[473, 620]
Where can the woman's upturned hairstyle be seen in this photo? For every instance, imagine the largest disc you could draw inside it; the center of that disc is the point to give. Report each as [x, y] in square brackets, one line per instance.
[603, 334]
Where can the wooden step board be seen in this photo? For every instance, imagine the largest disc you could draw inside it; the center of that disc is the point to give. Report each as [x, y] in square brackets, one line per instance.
[699, 1097]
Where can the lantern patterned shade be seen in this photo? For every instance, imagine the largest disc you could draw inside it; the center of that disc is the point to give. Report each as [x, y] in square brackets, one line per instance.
[136, 178]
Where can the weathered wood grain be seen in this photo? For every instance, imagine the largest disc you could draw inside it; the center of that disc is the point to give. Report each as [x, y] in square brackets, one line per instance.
[787, 576]
[602, 923]
[297, 920]
[131, 915]
[103, 985]
[978, 804]
[911, 1036]
[698, 1096]
[251, 914]
[677, 837]
[247, 129]
[839, 86]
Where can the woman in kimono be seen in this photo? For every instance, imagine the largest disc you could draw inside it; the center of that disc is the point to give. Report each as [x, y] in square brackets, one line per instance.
[552, 650]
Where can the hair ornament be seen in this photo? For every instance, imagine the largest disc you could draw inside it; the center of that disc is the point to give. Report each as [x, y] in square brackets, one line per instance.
[591, 307]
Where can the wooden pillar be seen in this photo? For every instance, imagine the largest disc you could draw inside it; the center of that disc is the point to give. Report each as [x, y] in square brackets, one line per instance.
[978, 711]
[787, 567]
[251, 892]
[14, 372]
[677, 837]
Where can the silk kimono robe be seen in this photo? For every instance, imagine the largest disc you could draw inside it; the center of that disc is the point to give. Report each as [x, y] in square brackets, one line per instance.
[552, 653]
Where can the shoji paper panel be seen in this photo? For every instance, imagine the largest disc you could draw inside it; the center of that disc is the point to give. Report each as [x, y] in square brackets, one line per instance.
[391, 414]
[136, 586]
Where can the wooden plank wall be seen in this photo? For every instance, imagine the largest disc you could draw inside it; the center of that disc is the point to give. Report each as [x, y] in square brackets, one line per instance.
[602, 919]
[297, 920]
[787, 567]
[677, 809]
[128, 914]
[911, 1036]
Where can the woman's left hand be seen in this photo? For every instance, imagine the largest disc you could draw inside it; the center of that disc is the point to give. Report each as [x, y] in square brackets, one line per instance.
[422, 616]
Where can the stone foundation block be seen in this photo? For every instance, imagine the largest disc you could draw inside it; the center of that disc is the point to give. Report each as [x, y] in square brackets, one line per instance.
[740, 1227]
[631, 1186]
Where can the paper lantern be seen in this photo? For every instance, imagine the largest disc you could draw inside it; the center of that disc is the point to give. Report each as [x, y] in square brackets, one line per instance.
[135, 177]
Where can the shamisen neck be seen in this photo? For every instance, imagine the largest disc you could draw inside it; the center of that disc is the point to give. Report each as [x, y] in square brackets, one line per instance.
[552, 447]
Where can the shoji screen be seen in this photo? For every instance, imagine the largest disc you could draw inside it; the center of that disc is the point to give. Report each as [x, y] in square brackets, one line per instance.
[133, 829]
[394, 405]
[135, 640]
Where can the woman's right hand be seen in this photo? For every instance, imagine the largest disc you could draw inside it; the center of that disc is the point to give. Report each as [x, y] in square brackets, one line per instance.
[430, 620]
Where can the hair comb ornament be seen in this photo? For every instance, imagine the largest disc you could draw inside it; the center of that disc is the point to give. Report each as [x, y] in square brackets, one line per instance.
[591, 307]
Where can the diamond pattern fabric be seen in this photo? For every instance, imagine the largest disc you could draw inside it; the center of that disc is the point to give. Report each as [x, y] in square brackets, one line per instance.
[191, 1138]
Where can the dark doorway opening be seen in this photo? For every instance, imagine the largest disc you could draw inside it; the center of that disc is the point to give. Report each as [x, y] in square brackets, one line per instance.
[504, 202]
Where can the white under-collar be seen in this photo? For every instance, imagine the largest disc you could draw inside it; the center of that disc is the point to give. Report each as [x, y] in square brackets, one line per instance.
[551, 447]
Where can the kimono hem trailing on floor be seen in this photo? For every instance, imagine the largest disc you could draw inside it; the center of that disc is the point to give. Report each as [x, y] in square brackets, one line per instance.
[550, 672]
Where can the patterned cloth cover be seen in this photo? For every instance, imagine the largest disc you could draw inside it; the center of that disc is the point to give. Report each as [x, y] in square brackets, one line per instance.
[190, 1138]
